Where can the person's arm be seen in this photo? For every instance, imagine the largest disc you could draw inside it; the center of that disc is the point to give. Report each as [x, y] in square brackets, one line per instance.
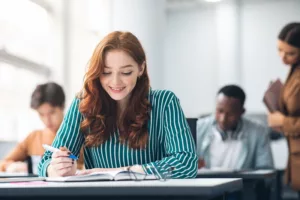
[179, 144]
[264, 157]
[19, 153]
[68, 136]
[291, 125]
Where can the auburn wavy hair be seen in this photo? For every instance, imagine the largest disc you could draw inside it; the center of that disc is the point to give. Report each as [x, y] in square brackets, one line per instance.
[99, 110]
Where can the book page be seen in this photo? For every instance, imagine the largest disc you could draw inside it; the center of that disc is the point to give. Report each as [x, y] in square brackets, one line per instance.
[95, 176]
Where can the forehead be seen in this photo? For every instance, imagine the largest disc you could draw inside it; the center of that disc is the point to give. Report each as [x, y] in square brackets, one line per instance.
[118, 58]
[45, 108]
[285, 46]
[228, 102]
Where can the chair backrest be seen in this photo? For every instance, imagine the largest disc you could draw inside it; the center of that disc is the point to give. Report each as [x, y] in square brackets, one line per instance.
[193, 126]
[6, 147]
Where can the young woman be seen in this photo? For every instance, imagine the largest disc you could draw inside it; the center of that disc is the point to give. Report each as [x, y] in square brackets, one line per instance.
[120, 121]
[288, 119]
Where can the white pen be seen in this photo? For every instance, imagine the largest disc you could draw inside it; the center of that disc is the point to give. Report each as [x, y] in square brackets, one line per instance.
[52, 149]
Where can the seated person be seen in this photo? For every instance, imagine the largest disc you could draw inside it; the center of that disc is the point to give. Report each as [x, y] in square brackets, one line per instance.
[228, 140]
[48, 100]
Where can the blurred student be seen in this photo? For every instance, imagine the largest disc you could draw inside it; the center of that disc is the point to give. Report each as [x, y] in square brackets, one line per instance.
[288, 118]
[121, 121]
[227, 140]
[48, 100]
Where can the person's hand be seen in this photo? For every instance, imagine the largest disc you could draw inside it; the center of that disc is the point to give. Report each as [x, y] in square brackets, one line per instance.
[61, 164]
[17, 167]
[275, 119]
[201, 163]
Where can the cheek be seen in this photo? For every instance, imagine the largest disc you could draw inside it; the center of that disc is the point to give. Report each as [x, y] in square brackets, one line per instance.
[129, 80]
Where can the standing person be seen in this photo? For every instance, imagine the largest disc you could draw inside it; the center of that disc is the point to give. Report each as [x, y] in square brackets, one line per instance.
[288, 118]
[121, 121]
[48, 100]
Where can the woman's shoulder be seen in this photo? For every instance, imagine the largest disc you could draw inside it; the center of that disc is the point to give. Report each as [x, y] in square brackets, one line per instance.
[162, 95]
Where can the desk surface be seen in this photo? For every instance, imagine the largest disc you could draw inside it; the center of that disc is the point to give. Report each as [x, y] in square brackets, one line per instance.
[15, 175]
[249, 174]
[179, 187]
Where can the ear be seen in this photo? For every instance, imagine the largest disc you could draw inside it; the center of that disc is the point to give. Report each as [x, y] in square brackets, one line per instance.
[142, 68]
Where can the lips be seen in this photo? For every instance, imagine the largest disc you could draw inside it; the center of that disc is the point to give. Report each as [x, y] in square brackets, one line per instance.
[117, 89]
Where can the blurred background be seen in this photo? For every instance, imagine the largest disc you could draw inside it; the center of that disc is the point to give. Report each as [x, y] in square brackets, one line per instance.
[193, 48]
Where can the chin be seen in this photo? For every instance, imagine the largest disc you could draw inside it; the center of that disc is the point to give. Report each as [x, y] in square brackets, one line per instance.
[118, 97]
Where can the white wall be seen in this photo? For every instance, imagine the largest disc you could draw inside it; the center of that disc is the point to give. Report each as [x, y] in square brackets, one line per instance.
[261, 23]
[191, 60]
[190, 65]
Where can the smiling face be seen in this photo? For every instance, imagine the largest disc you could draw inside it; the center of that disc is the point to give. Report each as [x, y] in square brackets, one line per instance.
[288, 54]
[120, 75]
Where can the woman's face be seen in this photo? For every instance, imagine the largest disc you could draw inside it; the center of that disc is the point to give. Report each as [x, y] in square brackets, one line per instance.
[288, 54]
[120, 75]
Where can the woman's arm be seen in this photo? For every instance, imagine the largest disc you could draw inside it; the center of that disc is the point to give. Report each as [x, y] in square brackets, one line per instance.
[68, 136]
[179, 144]
[291, 124]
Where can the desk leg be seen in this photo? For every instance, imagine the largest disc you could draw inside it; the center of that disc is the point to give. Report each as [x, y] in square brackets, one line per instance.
[238, 195]
[278, 186]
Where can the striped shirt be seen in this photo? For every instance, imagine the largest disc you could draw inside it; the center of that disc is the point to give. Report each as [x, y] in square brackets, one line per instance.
[170, 141]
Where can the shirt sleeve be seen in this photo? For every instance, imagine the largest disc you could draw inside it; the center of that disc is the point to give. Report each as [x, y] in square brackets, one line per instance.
[264, 157]
[179, 145]
[291, 124]
[68, 136]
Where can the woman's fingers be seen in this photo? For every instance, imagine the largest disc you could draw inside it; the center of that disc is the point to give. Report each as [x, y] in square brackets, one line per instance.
[64, 171]
[59, 160]
[61, 154]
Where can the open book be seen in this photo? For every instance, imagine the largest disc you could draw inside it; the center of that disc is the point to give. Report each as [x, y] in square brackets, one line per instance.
[102, 176]
[272, 96]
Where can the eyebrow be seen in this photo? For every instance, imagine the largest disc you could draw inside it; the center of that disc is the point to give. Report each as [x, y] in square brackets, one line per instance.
[126, 66]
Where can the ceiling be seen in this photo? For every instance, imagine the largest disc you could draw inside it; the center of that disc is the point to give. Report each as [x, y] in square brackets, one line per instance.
[181, 4]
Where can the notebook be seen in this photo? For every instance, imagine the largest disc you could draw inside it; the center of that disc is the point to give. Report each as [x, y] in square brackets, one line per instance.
[103, 176]
[272, 96]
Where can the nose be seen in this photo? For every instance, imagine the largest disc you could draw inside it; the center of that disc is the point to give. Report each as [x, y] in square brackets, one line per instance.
[116, 80]
[282, 55]
[223, 118]
[47, 121]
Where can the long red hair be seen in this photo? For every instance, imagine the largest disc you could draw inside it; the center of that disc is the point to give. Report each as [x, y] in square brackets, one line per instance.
[99, 110]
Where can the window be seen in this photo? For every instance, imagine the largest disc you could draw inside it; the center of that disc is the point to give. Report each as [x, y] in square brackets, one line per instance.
[25, 51]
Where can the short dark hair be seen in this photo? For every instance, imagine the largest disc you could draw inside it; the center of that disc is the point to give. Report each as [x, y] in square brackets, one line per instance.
[233, 91]
[50, 92]
[290, 34]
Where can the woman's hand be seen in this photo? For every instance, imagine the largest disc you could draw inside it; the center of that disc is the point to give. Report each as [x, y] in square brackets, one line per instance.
[275, 119]
[61, 164]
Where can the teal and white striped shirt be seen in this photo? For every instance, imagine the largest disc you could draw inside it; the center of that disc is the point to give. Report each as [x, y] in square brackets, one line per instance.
[170, 141]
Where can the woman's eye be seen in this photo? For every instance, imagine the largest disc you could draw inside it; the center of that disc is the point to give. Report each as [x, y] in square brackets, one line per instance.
[127, 73]
[106, 73]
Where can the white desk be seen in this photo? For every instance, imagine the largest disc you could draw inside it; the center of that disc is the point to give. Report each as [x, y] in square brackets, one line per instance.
[171, 189]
